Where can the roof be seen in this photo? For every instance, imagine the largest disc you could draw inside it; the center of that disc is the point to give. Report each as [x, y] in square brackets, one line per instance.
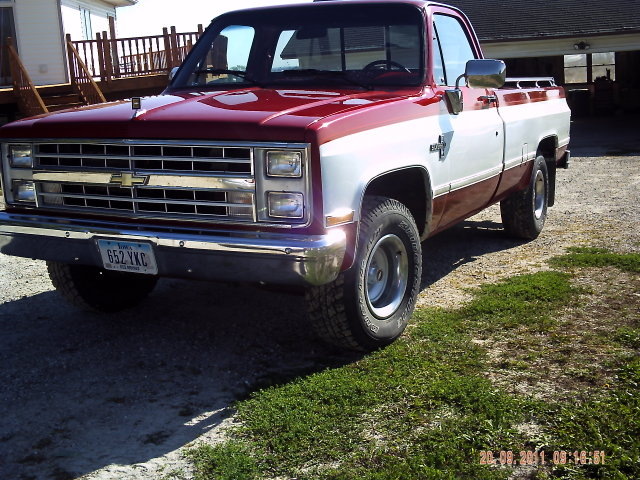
[122, 3]
[496, 20]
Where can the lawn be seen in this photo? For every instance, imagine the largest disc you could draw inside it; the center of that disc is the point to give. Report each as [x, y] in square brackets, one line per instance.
[536, 377]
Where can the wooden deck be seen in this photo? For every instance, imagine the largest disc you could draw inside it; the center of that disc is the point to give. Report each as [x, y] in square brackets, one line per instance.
[117, 89]
[119, 68]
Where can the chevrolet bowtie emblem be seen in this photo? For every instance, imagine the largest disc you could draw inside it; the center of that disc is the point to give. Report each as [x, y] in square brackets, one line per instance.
[129, 179]
[441, 146]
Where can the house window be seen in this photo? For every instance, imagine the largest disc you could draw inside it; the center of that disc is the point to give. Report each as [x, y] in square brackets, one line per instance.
[85, 19]
[586, 67]
[603, 65]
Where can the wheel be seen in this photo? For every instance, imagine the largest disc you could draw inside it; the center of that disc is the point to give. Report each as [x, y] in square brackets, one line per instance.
[93, 288]
[369, 305]
[524, 213]
[385, 64]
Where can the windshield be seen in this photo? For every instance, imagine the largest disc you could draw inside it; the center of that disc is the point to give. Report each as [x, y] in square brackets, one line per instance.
[363, 45]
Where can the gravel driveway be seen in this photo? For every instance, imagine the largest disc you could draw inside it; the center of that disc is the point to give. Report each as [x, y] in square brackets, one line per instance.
[115, 397]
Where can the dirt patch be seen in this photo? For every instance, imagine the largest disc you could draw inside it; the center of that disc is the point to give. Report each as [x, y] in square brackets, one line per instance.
[577, 355]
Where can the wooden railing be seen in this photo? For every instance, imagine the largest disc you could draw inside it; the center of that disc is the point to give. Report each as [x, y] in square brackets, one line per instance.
[111, 58]
[81, 78]
[28, 98]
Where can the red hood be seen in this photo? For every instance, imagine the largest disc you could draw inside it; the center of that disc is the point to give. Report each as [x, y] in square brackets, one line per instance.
[249, 114]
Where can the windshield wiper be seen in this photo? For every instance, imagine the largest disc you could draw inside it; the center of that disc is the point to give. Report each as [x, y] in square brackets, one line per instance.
[307, 72]
[222, 71]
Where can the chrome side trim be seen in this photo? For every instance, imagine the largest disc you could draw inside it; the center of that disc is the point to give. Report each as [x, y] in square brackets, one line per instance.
[476, 178]
[441, 190]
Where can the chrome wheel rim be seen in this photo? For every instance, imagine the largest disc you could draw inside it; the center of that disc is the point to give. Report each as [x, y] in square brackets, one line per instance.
[386, 275]
[539, 195]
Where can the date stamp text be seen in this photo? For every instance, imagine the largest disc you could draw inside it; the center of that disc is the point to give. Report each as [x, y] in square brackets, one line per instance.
[540, 457]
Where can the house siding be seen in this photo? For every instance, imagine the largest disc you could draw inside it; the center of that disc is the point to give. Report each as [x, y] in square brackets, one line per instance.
[100, 13]
[561, 46]
[39, 40]
[40, 29]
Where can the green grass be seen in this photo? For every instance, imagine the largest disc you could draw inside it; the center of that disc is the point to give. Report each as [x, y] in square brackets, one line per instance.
[580, 257]
[609, 421]
[425, 407]
[522, 300]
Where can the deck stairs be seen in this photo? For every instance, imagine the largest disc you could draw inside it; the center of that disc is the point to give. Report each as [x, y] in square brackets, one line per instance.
[34, 100]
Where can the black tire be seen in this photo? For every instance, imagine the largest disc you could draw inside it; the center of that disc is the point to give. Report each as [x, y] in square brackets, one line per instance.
[524, 212]
[369, 305]
[98, 290]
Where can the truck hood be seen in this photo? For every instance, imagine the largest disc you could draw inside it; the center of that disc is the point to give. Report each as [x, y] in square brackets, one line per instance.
[250, 114]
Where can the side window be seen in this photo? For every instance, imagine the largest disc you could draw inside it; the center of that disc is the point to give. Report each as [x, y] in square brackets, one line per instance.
[438, 67]
[232, 47]
[230, 50]
[454, 45]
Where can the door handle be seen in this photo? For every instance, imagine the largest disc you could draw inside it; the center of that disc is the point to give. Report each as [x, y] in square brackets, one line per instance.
[488, 99]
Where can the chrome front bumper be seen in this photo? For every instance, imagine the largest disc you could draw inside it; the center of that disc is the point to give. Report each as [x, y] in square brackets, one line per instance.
[286, 258]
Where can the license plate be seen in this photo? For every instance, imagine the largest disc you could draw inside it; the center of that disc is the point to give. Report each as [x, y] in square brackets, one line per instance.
[131, 257]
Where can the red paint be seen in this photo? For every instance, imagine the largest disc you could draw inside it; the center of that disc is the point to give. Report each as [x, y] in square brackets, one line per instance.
[439, 204]
[514, 179]
[509, 97]
[243, 115]
[560, 152]
[467, 201]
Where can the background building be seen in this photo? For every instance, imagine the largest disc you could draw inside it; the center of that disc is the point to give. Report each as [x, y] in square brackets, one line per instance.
[591, 47]
[38, 28]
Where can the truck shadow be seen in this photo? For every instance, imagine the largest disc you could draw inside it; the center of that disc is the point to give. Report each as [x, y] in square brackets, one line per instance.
[460, 245]
[82, 391]
[615, 135]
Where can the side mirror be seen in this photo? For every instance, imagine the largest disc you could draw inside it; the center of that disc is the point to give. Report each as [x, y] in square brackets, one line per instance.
[485, 73]
[477, 74]
[172, 73]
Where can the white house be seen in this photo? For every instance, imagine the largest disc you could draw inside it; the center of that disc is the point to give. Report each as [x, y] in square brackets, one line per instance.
[39, 28]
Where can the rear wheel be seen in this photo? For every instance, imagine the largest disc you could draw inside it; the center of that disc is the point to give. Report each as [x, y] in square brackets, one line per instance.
[96, 289]
[524, 213]
[369, 305]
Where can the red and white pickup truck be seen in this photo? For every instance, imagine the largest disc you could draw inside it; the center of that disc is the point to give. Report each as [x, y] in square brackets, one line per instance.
[315, 144]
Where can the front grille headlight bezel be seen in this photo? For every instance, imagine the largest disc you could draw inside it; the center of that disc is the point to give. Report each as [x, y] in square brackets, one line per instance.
[16, 172]
[285, 183]
[20, 155]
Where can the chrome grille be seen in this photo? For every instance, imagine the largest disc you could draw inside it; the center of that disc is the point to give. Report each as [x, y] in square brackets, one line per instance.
[149, 201]
[152, 179]
[154, 157]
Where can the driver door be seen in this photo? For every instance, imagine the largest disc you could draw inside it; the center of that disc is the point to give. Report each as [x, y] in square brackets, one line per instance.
[474, 137]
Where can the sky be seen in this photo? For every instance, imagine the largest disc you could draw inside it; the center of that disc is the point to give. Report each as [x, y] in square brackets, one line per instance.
[148, 17]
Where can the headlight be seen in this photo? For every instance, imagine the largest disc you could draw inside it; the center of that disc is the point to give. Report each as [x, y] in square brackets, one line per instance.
[284, 164]
[285, 205]
[20, 156]
[24, 191]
